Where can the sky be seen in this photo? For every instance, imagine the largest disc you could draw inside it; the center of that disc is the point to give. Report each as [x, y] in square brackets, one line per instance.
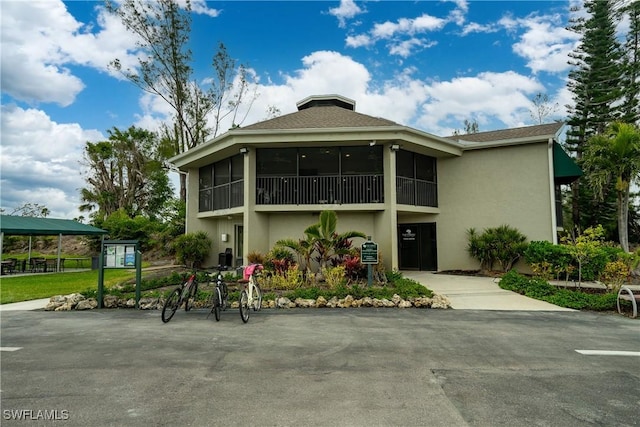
[429, 65]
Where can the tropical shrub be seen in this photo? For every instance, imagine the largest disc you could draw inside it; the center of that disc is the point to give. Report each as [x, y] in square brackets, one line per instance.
[503, 245]
[615, 274]
[334, 276]
[279, 259]
[291, 278]
[548, 260]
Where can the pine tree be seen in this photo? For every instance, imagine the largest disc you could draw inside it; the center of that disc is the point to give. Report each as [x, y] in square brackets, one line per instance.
[631, 70]
[595, 81]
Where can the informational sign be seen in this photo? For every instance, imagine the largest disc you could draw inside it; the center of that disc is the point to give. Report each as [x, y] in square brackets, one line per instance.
[120, 255]
[369, 252]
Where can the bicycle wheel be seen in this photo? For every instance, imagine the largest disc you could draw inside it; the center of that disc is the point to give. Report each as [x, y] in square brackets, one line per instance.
[244, 306]
[217, 303]
[191, 298]
[171, 305]
[257, 298]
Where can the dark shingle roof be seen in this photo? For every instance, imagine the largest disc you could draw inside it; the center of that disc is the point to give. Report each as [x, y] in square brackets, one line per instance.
[319, 117]
[515, 133]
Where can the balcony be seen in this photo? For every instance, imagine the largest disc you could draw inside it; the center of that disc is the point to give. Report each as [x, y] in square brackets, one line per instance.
[416, 192]
[311, 190]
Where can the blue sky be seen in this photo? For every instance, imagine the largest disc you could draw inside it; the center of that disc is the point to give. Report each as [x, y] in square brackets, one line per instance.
[425, 64]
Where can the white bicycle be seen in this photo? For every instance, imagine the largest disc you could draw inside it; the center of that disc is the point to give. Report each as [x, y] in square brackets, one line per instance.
[251, 295]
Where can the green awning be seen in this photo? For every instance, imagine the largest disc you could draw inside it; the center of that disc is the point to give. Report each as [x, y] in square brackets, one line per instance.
[565, 169]
[12, 225]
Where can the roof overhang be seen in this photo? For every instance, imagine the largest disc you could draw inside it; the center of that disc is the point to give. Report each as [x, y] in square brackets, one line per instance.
[230, 143]
[29, 226]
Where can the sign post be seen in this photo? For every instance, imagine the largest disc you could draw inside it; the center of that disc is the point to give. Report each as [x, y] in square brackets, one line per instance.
[369, 252]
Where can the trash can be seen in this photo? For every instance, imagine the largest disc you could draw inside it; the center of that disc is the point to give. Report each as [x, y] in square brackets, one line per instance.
[225, 258]
[95, 262]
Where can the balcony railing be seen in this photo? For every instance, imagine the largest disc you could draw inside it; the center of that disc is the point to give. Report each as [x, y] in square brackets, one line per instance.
[416, 192]
[310, 190]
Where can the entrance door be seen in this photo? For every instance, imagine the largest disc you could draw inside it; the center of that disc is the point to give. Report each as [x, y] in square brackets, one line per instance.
[417, 246]
[239, 245]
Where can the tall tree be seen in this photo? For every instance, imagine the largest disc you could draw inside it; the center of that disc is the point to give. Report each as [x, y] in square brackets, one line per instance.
[631, 63]
[595, 81]
[124, 172]
[614, 157]
[543, 108]
[163, 28]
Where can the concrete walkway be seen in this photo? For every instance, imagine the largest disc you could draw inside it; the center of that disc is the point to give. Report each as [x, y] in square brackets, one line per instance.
[478, 293]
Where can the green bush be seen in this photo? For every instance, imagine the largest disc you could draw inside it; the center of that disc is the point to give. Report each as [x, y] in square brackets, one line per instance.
[192, 248]
[540, 289]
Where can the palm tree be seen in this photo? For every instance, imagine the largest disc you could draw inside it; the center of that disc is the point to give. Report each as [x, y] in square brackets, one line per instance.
[615, 156]
[327, 241]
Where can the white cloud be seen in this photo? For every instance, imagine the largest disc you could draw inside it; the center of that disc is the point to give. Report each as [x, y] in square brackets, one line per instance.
[406, 26]
[347, 10]
[406, 47]
[497, 100]
[40, 161]
[545, 44]
[41, 41]
[485, 97]
[360, 40]
[401, 34]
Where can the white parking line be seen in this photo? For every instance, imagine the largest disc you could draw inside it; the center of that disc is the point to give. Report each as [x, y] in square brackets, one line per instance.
[609, 353]
[10, 348]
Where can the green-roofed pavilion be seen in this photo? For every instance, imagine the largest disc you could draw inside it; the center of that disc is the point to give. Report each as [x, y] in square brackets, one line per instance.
[12, 225]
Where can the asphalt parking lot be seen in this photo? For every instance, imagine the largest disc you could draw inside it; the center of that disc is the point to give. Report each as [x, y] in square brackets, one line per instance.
[320, 367]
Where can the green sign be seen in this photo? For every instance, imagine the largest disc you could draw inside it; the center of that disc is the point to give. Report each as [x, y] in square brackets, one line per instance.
[369, 252]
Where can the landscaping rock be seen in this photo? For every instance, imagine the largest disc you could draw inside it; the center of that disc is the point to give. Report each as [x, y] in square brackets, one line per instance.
[87, 304]
[283, 302]
[110, 301]
[404, 304]
[321, 301]
[439, 301]
[148, 303]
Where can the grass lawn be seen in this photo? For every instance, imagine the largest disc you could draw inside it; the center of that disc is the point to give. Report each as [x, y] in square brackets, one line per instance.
[36, 286]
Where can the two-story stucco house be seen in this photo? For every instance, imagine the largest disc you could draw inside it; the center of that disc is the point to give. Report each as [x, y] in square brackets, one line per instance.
[414, 193]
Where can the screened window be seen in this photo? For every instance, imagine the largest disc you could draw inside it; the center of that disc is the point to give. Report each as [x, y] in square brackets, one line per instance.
[404, 164]
[221, 184]
[361, 160]
[319, 161]
[277, 162]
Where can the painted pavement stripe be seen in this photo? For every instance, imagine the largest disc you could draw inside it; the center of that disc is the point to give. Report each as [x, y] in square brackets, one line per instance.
[10, 348]
[609, 353]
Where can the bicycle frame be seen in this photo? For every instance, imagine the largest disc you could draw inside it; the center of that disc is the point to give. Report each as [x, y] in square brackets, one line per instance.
[251, 295]
[178, 296]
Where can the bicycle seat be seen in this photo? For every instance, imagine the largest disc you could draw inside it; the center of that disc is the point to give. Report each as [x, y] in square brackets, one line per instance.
[251, 269]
